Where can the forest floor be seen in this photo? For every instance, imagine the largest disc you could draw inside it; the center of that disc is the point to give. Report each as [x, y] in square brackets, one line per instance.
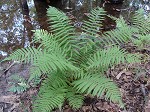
[132, 79]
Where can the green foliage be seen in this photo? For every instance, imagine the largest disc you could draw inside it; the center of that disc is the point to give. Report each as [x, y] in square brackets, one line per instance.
[109, 58]
[97, 85]
[63, 32]
[75, 100]
[124, 33]
[19, 84]
[142, 40]
[54, 91]
[75, 65]
[141, 22]
[94, 23]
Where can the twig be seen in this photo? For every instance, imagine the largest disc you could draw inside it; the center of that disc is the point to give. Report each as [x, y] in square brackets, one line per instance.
[10, 66]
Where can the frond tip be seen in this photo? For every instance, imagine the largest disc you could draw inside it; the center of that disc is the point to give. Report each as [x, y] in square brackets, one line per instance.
[141, 22]
[92, 26]
[26, 55]
[60, 26]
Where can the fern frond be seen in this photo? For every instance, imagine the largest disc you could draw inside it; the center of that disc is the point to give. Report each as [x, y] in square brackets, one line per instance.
[48, 42]
[55, 79]
[75, 100]
[49, 62]
[98, 86]
[52, 93]
[41, 36]
[78, 75]
[50, 98]
[122, 34]
[35, 73]
[63, 31]
[42, 64]
[60, 26]
[141, 22]
[92, 26]
[19, 84]
[102, 59]
[26, 55]
[45, 39]
[142, 40]
[86, 47]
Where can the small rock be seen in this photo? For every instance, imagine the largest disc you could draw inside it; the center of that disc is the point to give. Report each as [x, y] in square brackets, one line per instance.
[99, 105]
[1, 109]
[86, 108]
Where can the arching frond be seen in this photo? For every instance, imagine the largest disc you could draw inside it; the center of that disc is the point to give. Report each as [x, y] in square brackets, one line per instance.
[141, 21]
[92, 26]
[64, 32]
[44, 61]
[60, 26]
[53, 62]
[49, 99]
[98, 85]
[52, 93]
[102, 59]
[26, 55]
[122, 34]
[142, 40]
[48, 42]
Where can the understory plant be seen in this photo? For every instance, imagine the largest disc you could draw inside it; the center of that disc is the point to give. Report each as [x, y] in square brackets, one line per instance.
[74, 64]
[19, 84]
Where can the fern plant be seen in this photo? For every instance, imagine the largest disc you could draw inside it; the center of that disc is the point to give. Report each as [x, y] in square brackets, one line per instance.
[74, 65]
[19, 84]
[136, 30]
[142, 41]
